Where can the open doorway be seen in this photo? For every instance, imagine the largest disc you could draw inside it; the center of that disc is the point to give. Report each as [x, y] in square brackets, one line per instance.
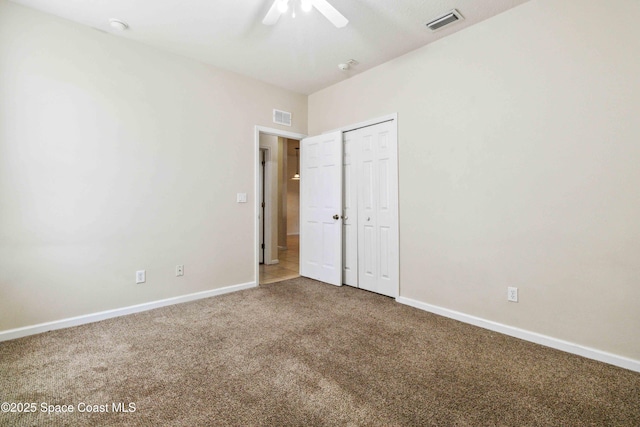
[277, 203]
[288, 213]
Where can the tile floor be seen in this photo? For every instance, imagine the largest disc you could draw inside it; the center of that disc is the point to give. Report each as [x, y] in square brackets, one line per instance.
[289, 265]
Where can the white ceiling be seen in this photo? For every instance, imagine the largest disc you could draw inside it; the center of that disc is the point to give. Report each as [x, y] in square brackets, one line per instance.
[300, 54]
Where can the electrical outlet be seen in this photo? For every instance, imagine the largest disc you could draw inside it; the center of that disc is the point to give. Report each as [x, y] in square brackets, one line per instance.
[179, 270]
[512, 294]
[141, 276]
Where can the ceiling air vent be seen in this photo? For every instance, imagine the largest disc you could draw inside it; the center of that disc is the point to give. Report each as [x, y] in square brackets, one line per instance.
[282, 117]
[446, 19]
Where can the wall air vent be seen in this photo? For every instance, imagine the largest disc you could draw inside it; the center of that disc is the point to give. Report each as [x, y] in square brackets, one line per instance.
[446, 19]
[282, 117]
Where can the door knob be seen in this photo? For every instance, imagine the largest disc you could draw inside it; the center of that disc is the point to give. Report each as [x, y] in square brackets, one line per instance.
[336, 216]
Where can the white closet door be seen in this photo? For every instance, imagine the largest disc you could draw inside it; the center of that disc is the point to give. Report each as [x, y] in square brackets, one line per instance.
[350, 216]
[321, 207]
[378, 246]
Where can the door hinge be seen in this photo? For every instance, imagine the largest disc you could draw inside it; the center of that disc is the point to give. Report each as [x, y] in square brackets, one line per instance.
[263, 204]
[263, 163]
[262, 246]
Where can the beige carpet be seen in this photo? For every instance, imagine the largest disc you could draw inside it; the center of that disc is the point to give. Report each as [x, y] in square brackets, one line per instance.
[304, 353]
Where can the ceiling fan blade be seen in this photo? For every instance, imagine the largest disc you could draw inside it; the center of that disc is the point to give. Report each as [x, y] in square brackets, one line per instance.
[330, 12]
[273, 15]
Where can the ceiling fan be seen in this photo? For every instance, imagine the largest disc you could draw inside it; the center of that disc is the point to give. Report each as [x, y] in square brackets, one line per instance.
[281, 6]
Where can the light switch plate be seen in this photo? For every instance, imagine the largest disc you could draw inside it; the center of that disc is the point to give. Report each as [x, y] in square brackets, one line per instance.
[242, 197]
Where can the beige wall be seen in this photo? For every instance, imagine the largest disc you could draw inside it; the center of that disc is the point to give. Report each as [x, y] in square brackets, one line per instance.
[116, 157]
[519, 154]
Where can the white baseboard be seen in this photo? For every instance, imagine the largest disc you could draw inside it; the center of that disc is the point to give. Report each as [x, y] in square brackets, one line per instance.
[11, 334]
[558, 344]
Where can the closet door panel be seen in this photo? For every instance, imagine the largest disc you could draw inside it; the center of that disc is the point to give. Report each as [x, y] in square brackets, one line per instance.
[378, 210]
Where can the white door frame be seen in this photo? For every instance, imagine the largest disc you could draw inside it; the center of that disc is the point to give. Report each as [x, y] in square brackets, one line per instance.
[370, 122]
[268, 189]
[261, 211]
[256, 192]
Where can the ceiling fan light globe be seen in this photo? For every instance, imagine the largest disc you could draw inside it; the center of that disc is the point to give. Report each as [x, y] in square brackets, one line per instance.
[305, 5]
[283, 6]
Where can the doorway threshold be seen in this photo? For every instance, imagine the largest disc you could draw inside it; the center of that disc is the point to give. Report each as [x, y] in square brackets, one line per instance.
[287, 268]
